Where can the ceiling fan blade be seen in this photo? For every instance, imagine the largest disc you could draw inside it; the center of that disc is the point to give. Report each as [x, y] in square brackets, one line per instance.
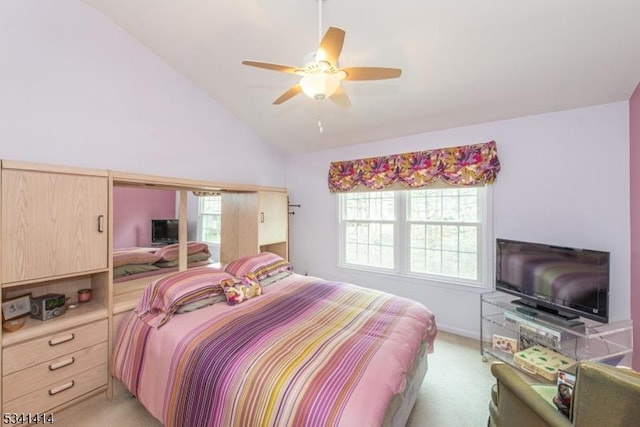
[340, 98]
[293, 91]
[331, 45]
[274, 67]
[371, 73]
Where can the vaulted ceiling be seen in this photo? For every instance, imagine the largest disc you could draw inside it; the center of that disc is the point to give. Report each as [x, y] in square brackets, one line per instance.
[463, 62]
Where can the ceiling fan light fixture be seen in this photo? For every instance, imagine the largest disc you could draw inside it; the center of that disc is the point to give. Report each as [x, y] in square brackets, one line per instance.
[319, 85]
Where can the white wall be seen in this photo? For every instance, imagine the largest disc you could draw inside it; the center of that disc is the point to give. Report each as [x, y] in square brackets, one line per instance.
[564, 180]
[77, 90]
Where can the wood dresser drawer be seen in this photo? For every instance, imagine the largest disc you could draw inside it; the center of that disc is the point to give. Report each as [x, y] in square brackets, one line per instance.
[44, 399]
[46, 348]
[52, 372]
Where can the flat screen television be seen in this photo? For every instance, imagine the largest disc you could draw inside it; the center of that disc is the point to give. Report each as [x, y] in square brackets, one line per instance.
[567, 282]
[164, 231]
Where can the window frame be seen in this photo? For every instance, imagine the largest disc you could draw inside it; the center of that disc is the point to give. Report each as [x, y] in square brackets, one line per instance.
[401, 242]
[200, 222]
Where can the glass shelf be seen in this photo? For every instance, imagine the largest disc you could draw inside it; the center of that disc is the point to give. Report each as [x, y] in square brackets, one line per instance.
[501, 323]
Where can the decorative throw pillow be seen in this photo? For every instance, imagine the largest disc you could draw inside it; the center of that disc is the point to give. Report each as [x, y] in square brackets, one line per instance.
[237, 291]
[263, 265]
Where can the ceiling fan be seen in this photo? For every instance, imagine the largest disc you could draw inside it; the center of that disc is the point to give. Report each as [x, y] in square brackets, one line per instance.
[321, 74]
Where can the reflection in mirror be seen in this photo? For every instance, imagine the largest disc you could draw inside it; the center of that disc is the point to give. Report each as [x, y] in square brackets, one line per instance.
[144, 238]
[134, 209]
[204, 212]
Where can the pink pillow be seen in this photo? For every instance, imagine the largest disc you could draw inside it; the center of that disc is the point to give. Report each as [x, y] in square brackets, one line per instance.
[162, 297]
[262, 265]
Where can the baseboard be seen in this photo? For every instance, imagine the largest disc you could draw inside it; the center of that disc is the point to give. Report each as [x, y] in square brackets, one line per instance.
[462, 332]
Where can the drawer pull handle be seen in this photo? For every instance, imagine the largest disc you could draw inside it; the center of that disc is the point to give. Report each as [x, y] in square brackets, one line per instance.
[100, 223]
[61, 340]
[61, 388]
[62, 364]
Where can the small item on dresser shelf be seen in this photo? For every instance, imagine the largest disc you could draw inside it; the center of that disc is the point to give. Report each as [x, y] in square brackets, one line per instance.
[49, 306]
[13, 325]
[16, 307]
[84, 295]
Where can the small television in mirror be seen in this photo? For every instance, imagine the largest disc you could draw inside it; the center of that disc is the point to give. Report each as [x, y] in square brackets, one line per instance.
[164, 231]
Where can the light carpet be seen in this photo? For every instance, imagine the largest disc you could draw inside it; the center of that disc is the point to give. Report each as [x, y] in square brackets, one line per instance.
[455, 392]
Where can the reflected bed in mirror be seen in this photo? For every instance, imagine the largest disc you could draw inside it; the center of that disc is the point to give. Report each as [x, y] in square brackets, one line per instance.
[138, 262]
[138, 256]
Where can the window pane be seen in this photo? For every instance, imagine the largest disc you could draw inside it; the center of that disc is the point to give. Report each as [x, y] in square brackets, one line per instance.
[418, 236]
[438, 241]
[450, 263]
[434, 262]
[434, 236]
[450, 238]
[363, 234]
[210, 218]
[351, 253]
[386, 235]
[434, 205]
[377, 205]
[469, 208]
[450, 208]
[468, 265]
[417, 260]
[387, 257]
[468, 239]
[417, 205]
[351, 233]
[369, 244]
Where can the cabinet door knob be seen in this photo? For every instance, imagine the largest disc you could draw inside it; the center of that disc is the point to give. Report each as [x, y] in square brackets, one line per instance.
[62, 364]
[61, 388]
[61, 340]
[100, 223]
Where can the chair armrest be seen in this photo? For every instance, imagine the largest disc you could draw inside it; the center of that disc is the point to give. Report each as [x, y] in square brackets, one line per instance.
[605, 395]
[517, 403]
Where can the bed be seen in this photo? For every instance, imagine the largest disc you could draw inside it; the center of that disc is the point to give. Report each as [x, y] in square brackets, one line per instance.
[137, 262]
[296, 350]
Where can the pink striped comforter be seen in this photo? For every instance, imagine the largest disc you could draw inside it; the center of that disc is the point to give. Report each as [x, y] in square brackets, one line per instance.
[305, 353]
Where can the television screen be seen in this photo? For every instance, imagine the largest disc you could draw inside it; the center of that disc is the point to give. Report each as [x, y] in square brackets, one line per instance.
[568, 282]
[164, 231]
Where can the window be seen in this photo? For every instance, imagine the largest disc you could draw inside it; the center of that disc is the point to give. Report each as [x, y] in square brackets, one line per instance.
[430, 233]
[209, 218]
[369, 228]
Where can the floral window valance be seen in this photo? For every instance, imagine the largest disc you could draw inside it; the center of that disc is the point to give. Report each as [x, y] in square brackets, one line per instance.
[463, 165]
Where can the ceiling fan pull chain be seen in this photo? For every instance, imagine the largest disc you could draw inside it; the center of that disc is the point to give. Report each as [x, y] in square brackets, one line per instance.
[320, 128]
